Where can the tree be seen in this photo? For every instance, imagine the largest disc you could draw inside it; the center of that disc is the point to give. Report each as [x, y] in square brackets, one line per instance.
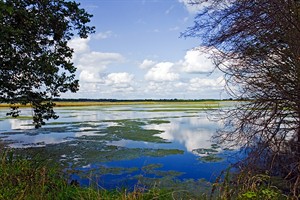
[257, 45]
[35, 59]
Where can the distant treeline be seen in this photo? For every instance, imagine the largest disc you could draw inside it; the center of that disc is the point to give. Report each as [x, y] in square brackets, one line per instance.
[137, 100]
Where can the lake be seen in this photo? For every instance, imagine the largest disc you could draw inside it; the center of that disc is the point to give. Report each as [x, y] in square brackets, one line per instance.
[114, 146]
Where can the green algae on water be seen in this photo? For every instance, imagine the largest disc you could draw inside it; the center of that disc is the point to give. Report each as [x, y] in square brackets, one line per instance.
[133, 130]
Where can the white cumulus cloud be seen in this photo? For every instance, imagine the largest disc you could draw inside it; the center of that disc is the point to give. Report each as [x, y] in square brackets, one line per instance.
[162, 72]
[79, 45]
[91, 64]
[120, 80]
[98, 60]
[147, 64]
[89, 77]
[196, 61]
[197, 84]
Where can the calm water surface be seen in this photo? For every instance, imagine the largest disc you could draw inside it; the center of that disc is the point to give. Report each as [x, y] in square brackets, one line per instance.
[104, 143]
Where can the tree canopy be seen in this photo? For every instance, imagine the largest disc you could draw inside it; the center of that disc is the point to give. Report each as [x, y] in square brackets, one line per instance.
[257, 45]
[35, 59]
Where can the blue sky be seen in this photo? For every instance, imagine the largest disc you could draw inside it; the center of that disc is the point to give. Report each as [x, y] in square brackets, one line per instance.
[137, 53]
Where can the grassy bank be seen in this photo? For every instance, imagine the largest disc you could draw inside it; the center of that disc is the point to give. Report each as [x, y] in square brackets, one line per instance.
[32, 179]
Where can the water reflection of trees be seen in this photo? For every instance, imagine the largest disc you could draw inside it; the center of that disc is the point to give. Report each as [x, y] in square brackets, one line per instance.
[256, 44]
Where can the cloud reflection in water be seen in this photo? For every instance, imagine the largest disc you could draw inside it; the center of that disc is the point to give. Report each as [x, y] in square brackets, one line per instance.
[192, 132]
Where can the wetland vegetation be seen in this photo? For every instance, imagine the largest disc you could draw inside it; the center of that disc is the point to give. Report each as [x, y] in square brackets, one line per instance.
[163, 146]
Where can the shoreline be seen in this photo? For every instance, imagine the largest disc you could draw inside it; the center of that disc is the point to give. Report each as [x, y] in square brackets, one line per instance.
[123, 102]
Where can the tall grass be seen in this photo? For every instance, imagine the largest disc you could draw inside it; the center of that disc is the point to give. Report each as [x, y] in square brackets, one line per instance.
[27, 179]
[22, 178]
[33, 179]
[247, 186]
